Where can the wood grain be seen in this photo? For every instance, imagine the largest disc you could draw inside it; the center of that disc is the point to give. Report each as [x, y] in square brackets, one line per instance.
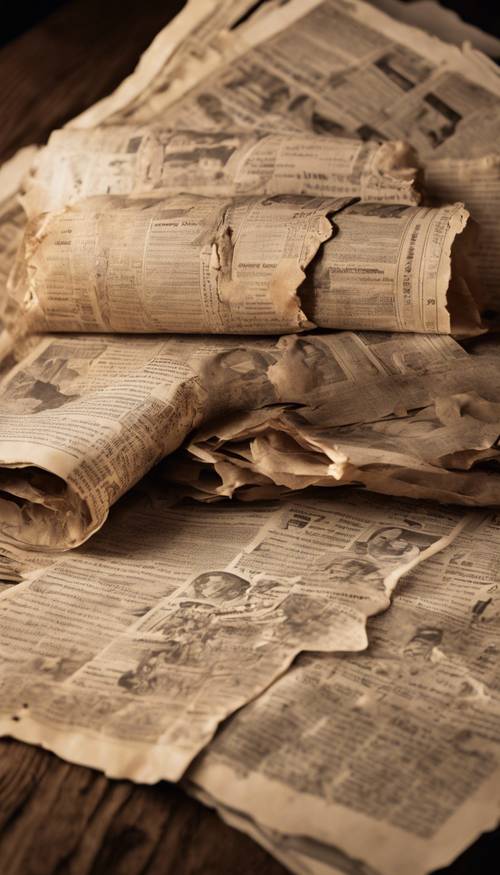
[55, 818]
[69, 61]
[67, 820]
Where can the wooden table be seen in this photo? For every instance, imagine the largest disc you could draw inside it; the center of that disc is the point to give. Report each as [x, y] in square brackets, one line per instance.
[56, 818]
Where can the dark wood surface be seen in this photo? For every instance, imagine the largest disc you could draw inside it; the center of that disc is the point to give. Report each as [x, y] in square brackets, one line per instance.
[56, 818]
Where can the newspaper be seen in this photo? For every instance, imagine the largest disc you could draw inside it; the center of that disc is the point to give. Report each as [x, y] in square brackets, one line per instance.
[134, 679]
[395, 268]
[347, 69]
[333, 67]
[84, 418]
[135, 161]
[198, 37]
[176, 60]
[433, 453]
[11, 214]
[399, 415]
[476, 181]
[186, 264]
[245, 265]
[393, 754]
[128, 654]
[332, 16]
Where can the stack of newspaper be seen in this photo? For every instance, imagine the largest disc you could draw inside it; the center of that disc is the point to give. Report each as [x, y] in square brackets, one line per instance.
[265, 269]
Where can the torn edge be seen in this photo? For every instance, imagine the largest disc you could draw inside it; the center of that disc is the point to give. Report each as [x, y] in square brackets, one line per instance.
[459, 286]
[394, 162]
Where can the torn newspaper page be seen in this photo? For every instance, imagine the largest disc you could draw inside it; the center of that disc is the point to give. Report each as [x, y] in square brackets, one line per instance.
[84, 418]
[476, 181]
[333, 68]
[395, 268]
[133, 679]
[158, 162]
[447, 451]
[403, 415]
[392, 754]
[245, 266]
[186, 264]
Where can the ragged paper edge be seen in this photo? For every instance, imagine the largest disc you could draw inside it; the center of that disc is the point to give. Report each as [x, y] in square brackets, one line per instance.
[41, 523]
[397, 160]
[13, 171]
[288, 277]
[284, 289]
[463, 315]
[20, 313]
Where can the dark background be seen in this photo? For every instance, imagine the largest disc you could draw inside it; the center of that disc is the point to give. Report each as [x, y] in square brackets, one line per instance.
[24, 15]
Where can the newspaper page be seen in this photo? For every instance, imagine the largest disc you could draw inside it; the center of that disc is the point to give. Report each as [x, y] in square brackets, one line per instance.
[175, 61]
[191, 264]
[405, 415]
[12, 218]
[186, 264]
[134, 679]
[349, 69]
[476, 181]
[395, 268]
[334, 67]
[380, 456]
[84, 418]
[159, 162]
[463, 78]
[166, 63]
[392, 754]
[473, 65]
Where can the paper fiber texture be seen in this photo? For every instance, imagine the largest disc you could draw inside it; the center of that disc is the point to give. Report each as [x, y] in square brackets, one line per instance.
[84, 418]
